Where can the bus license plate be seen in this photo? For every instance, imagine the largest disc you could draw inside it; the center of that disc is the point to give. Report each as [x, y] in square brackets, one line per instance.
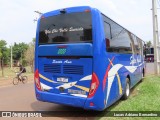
[62, 79]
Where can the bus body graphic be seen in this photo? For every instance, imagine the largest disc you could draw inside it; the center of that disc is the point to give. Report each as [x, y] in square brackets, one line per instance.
[83, 58]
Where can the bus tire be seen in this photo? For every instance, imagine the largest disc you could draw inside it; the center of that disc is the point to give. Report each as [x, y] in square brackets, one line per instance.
[126, 90]
[143, 74]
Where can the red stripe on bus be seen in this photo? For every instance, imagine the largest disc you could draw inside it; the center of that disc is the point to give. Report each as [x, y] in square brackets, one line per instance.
[106, 74]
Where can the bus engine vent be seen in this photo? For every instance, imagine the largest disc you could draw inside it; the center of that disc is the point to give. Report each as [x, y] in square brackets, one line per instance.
[73, 69]
[51, 68]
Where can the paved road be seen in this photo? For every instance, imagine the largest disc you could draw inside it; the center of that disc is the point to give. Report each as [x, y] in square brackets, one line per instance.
[149, 68]
[21, 98]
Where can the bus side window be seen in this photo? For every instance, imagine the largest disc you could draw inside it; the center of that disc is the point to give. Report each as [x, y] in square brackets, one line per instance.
[107, 30]
[116, 37]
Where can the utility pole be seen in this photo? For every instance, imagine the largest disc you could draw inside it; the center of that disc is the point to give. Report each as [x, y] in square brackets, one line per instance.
[156, 38]
[21, 58]
[2, 67]
[11, 57]
[39, 13]
[2, 62]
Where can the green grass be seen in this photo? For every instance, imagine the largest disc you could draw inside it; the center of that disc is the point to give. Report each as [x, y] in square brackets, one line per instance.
[145, 96]
[10, 73]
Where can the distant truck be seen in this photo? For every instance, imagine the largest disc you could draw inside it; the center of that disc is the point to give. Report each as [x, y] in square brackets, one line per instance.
[149, 55]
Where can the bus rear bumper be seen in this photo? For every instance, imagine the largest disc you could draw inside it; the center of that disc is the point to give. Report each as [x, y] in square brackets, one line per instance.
[60, 99]
[69, 100]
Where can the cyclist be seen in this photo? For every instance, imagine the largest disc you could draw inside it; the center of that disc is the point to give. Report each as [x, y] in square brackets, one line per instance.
[21, 70]
[19, 76]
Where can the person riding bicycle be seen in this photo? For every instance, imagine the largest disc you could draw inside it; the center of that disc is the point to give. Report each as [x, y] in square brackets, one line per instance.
[19, 76]
[21, 70]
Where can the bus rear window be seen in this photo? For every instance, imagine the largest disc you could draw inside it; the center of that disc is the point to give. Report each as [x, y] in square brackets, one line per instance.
[66, 28]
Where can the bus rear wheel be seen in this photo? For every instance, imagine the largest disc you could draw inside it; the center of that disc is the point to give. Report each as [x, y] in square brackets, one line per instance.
[127, 90]
[143, 74]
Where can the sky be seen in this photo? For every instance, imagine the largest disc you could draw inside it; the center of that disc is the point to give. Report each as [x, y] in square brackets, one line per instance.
[17, 25]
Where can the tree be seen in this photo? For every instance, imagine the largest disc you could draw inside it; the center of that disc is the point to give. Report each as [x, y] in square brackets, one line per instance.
[18, 51]
[29, 54]
[3, 53]
[2, 47]
[149, 44]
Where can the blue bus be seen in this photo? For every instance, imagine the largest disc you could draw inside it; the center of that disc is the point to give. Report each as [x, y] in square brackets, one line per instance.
[85, 59]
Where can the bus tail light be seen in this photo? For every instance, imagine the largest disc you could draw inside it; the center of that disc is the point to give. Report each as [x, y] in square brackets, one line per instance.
[37, 81]
[87, 10]
[94, 85]
[91, 104]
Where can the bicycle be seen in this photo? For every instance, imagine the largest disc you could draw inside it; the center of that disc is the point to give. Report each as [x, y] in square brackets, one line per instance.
[20, 78]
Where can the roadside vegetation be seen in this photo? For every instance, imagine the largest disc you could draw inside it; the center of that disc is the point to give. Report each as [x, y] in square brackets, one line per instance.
[9, 74]
[16, 53]
[145, 96]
